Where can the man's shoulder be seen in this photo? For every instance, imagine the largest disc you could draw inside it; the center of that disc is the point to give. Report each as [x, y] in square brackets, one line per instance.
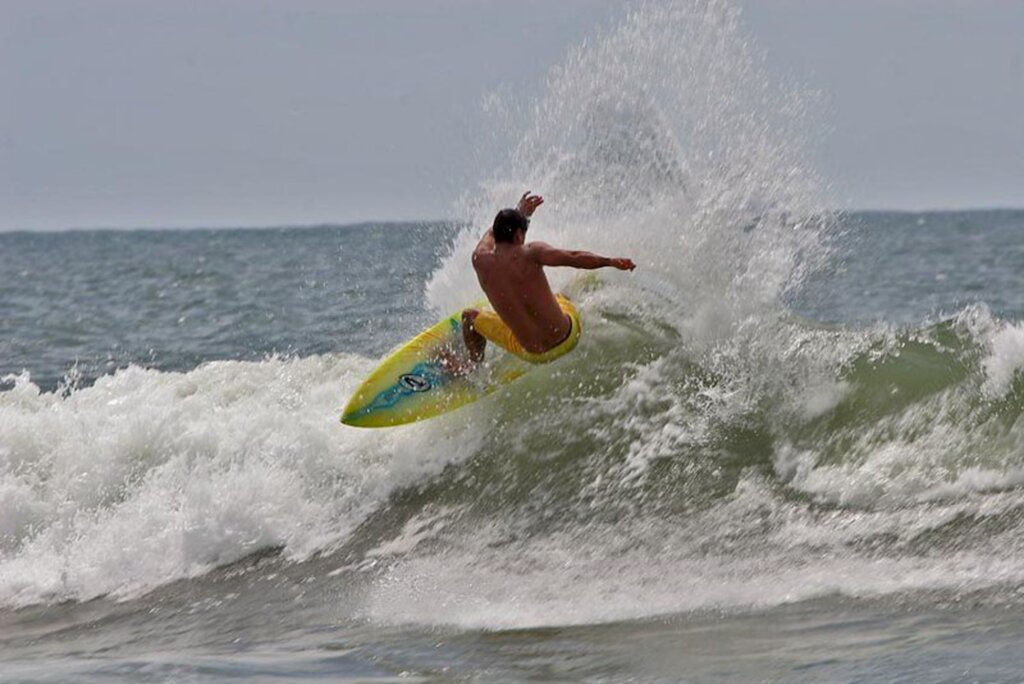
[482, 245]
[536, 248]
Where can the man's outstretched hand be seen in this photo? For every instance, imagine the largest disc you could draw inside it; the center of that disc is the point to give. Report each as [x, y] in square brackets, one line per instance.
[623, 264]
[528, 203]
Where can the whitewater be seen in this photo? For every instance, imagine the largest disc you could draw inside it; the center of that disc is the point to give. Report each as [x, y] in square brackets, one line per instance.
[789, 446]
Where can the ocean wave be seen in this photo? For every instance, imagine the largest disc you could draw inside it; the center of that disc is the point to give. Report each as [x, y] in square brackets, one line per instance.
[702, 448]
[149, 476]
[636, 458]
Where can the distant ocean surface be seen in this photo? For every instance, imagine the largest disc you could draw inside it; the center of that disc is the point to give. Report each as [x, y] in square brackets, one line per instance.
[82, 304]
[789, 446]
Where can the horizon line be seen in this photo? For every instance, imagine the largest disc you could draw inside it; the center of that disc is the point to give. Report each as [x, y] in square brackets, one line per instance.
[435, 221]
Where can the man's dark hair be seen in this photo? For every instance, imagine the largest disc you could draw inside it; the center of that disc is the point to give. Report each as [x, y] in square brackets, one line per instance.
[507, 222]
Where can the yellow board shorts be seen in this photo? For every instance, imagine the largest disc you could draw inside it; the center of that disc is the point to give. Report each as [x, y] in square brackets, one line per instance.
[490, 325]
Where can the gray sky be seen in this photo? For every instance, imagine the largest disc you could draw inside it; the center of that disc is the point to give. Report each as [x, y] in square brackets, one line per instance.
[246, 112]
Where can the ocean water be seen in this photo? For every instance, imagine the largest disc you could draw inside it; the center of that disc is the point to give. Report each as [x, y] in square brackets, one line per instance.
[789, 447]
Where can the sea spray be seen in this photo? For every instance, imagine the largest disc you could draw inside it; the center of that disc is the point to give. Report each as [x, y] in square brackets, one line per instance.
[664, 139]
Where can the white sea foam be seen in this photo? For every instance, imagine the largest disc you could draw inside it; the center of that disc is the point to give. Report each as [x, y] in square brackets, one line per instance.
[1005, 360]
[150, 476]
[656, 568]
[591, 591]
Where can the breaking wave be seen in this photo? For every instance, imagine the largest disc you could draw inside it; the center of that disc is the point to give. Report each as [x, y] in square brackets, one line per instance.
[703, 448]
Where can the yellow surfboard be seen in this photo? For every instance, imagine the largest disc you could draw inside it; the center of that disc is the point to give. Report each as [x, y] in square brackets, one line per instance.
[412, 383]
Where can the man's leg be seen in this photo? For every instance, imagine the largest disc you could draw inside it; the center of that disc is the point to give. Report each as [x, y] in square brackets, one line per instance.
[475, 342]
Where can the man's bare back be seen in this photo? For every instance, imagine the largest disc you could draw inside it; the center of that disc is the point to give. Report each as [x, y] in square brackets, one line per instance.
[511, 273]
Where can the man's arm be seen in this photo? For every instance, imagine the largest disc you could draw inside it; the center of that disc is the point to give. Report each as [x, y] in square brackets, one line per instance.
[546, 255]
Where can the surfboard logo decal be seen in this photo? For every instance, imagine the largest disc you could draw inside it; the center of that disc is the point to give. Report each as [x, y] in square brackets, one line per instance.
[414, 382]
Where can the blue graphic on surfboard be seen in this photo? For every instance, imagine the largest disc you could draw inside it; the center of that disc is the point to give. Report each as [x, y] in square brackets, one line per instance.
[413, 383]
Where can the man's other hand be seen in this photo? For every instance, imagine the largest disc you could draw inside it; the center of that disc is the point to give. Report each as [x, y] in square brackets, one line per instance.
[528, 203]
[623, 264]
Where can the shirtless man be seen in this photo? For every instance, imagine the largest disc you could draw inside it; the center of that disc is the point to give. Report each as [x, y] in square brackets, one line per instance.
[528, 319]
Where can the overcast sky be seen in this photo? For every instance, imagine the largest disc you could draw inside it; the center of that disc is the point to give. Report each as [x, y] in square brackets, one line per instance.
[246, 112]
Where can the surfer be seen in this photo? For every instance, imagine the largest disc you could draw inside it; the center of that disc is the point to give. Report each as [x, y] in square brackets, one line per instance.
[528, 320]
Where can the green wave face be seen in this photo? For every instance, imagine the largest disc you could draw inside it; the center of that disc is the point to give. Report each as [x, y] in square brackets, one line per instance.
[633, 414]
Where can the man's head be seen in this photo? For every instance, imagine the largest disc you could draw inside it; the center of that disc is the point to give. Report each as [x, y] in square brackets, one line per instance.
[508, 224]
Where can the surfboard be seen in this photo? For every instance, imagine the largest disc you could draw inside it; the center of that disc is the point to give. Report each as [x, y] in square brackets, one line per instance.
[414, 383]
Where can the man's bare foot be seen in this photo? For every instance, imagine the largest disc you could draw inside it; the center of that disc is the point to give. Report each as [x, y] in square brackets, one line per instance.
[474, 341]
